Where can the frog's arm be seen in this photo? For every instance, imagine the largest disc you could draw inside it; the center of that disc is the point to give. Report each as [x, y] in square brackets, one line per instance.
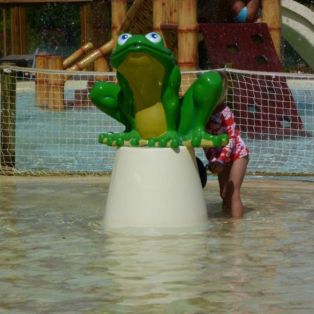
[198, 104]
[105, 95]
[208, 92]
[170, 99]
[200, 101]
[108, 97]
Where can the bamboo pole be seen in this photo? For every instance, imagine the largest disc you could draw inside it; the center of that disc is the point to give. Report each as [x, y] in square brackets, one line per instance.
[8, 117]
[77, 54]
[55, 84]
[271, 15]
[187, 34]
[41, 81]
[135, 9]
[157, 15]
[118, 15]
[167, 12]
[4, 28]
[85, 18]
[172, 17]
[102, 51]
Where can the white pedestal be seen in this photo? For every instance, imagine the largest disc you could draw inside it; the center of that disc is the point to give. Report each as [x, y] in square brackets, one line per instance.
[155, 188]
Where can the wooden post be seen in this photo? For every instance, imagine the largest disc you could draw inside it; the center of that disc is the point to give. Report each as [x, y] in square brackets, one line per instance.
[4, 31]
[187, 34]
[166, 18]
[41, 81]
[86, 28]
[157, 14]
[18, 30]
[271, 15]
[55, 84]
[118, 15]
[101, 65]
[8, 117]
[170, 12]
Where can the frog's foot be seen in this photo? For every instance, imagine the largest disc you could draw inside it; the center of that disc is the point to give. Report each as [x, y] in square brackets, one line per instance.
[200, 138]
[168, 139]
[131, 138]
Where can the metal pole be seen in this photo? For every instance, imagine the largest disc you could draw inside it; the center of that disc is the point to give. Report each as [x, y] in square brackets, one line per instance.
[8, 117]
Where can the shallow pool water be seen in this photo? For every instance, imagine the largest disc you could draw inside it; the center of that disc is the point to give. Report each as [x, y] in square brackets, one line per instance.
[66, 141]
[56, 258]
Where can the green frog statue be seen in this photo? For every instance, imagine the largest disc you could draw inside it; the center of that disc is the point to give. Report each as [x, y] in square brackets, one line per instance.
[146, 98]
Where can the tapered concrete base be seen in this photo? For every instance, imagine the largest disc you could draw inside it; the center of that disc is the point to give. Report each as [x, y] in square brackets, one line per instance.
[155, 188]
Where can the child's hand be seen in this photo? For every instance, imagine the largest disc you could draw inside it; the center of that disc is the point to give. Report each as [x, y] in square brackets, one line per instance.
[215, 167]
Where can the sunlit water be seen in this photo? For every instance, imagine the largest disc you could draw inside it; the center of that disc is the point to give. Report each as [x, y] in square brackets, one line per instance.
[56, 258]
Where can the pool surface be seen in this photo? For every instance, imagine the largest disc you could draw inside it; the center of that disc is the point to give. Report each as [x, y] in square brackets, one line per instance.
[66, 141]
[56, 258]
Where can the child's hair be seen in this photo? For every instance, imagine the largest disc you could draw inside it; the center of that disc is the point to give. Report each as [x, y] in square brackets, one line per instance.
[225, 88]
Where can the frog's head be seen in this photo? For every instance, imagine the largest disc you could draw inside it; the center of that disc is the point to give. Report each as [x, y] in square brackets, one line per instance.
[139, 48]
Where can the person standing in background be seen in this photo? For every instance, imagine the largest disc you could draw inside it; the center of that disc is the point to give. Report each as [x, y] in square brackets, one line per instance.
[244, 11]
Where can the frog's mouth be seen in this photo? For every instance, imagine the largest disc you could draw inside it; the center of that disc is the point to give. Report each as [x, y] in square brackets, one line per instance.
[144, 75]
[140, 47]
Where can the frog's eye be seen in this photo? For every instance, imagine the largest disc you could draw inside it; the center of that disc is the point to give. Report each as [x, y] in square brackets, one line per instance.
[123, 38]
[153, 37]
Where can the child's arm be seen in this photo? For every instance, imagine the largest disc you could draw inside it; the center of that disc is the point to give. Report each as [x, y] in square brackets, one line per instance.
[215, 167]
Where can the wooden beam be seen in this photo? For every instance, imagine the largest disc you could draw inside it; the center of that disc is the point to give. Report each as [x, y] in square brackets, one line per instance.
[157, 15]
[271, 15]
[4, 31]
[18, 30]
[8, 118]
[118, 16]
[40, 1]
[187, 34]
[86, 27]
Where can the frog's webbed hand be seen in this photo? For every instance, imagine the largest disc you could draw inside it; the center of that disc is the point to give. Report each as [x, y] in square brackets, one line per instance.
[105, 95]
[168, 139]
[200, 138]
[131, 138]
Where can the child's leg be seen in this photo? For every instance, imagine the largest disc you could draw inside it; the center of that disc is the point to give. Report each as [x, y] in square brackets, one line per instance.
[223, 178]
[237, 173]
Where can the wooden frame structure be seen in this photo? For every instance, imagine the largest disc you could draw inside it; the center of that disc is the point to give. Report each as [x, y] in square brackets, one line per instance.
[176, 19]
[17, 11]
[40, 1]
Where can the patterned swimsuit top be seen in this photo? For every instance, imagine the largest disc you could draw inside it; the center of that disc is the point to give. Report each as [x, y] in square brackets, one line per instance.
[223, 122]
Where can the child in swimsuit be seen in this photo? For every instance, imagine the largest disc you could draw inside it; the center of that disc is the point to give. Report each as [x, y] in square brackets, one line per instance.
[229, 162]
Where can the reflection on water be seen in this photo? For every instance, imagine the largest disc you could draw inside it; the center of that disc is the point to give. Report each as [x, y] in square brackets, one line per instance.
[55, 257]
